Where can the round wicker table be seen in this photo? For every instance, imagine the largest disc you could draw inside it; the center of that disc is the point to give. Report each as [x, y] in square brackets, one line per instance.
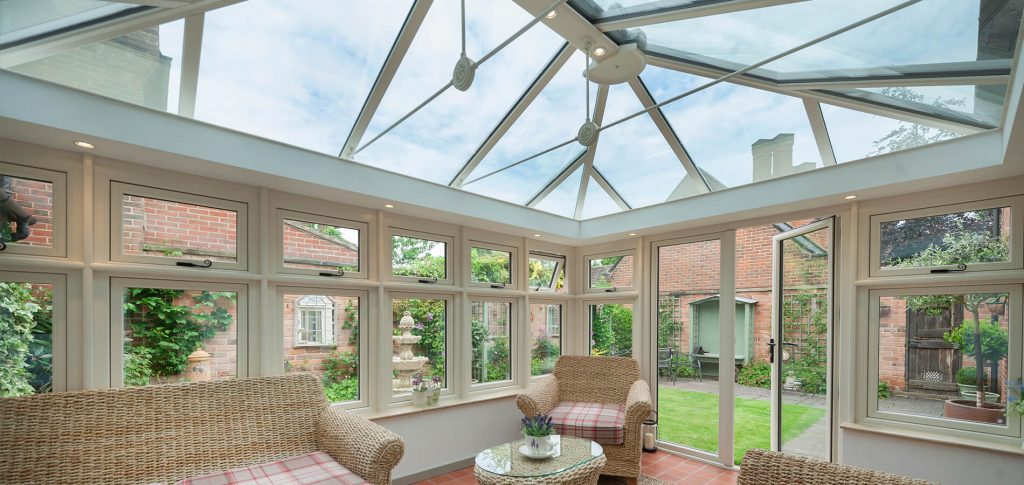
[576, 462]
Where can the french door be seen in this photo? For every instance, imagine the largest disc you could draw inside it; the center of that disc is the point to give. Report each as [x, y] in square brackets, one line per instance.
[800, 347]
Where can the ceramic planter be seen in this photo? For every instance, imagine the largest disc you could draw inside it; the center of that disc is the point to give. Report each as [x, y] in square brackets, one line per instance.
[968, 410]
[540, 445]
[419, 398]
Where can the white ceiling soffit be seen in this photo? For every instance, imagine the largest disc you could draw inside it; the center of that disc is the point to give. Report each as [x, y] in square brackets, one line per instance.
[53, 115]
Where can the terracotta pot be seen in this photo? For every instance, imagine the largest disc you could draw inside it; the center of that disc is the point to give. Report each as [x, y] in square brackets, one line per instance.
[969, 411]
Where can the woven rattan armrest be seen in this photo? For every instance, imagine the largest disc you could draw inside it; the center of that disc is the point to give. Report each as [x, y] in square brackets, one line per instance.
[540, 397]
[365, 448]
[638, 404]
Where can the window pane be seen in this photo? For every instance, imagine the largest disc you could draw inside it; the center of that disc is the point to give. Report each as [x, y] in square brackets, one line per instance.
[321, 336]
[154, 227]
[179, 335]
[253, 79]
[420, 341]
[412, 256]
[491, 266]
[689, 286]
[492, 344]
[310, 245]
[543, 277]
[27, 217]
[611, 272]
[611, 329]
[26, 338]
[927, 356]
[970, 237]
[856, 135]
[545, 337]
[142, 67]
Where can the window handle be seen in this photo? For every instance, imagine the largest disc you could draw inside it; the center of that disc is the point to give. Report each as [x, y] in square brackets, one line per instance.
[960, 267]
[611, 290]
[432, 279]
[337, 274]
[771, 351]
[498, 285]
[190, 264]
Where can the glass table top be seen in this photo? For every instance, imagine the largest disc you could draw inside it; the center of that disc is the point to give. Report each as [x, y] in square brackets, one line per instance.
[506, 460]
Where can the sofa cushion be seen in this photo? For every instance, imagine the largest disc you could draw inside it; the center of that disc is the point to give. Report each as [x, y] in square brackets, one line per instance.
[312, 468]
[602, 423]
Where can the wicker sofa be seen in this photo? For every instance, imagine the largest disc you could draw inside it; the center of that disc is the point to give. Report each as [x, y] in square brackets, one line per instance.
[160, 434]
[762, 467]
[582, 387]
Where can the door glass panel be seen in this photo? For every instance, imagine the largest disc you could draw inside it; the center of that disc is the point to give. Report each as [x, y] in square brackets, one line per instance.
[688, 294]
[611, 329]
[926, 355]
[803, 371]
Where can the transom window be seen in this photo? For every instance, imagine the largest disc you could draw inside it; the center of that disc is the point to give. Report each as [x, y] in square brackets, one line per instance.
[420, 257]
[609, 272]
[491, 265]
[547, 273]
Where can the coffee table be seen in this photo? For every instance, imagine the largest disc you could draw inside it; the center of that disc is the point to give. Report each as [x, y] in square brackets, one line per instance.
[577, 462]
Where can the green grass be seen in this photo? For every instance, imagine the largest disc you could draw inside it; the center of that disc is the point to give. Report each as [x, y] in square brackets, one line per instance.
[690, 418]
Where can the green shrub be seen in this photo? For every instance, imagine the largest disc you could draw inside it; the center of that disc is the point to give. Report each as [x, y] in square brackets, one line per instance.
[994, 340]
[17, 312]
[340, 365]
[137, 371]
[498, 362]
[341, 391]
[968, 376]
[883, 390]
[755, 374]
[546, 365]
[812, 378]
[545, 347]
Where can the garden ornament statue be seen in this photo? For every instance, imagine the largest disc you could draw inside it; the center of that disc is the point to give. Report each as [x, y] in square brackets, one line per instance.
[405, 363]
[11, 211]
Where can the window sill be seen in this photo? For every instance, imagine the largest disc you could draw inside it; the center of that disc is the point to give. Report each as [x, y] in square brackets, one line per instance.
[933, 437]
[451, 402]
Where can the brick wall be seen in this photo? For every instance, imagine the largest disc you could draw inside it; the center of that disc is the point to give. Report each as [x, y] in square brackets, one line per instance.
[36, 197]
[156, 227]
[305, 247]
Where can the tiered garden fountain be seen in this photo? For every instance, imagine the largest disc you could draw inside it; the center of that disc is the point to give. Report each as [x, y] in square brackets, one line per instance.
[405, 363]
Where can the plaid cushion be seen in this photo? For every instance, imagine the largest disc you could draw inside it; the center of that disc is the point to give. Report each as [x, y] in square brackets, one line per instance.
[602, 423]
[312, 468]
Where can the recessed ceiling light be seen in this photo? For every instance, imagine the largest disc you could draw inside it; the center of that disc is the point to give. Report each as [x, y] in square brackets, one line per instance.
[389, 206]
[552, 14]
[599, 51]
[850, 197]
[632, 234]
[536, 235]
[84, 144]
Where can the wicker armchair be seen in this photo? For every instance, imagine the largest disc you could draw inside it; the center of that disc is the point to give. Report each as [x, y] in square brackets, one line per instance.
[171, 432]
[604, 380]
[762, 467]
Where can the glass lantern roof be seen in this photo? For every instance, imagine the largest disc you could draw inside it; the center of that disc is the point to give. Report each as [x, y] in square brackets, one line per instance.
[365, 80]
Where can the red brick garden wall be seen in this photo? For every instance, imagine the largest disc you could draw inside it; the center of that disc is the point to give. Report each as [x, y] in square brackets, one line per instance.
[36, 197]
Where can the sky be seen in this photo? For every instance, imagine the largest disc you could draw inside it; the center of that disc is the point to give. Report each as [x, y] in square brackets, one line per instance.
[299, 71]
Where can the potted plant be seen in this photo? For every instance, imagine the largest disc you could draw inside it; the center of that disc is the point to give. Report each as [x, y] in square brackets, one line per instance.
[420, 390]
[966, 382]
[986, 342]
[538, 432]
[434, 392]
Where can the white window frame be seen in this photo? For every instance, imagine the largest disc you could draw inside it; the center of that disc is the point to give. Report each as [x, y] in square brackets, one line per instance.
[513, 342]
[328, 316]
[449, 253]
[59, 316]
[58, 216]
[563, 306]
[559, 267]
[452, 377]
[513, 265]
[365, 333]
[1015, 363]
[119, 189]
[363, 245]
[1016, 205]
[117, 324]
[635, 328]
[588, 287]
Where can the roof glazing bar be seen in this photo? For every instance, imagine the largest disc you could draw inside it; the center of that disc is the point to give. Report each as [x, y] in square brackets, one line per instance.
[557, 180]
[517, 109]
[627, 20]
[412, 24]
[608, 189]
[588, 157]
[821, 138]
[191, 51]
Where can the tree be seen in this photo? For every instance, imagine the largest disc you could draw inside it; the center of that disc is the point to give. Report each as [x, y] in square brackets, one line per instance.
[910, 135]
[489, 266]
[412, 256]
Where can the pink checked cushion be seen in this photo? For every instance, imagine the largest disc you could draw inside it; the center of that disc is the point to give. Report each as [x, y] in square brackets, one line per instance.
[602, 423]
[312, 468]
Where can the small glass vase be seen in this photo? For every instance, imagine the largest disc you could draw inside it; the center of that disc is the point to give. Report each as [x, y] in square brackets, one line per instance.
[433, 396]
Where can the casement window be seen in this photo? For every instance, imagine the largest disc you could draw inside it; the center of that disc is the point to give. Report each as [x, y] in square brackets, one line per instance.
[421, 257]
[34, 333]
[160, 226]
[610, 272]
[492, 325]
[977, 236]
[492, 265]
[545, 336]
[33, 210]
[318, 245]
[168, 331]
[547, 273]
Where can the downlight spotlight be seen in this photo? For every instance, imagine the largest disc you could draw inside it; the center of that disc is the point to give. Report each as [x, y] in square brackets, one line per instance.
[84, 144]
[552, 14]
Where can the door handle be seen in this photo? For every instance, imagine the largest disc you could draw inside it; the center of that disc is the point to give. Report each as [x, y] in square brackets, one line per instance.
[791, 344]
[771, 351]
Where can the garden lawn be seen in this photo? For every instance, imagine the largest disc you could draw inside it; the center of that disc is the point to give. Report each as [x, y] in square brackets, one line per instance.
[690, 418]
